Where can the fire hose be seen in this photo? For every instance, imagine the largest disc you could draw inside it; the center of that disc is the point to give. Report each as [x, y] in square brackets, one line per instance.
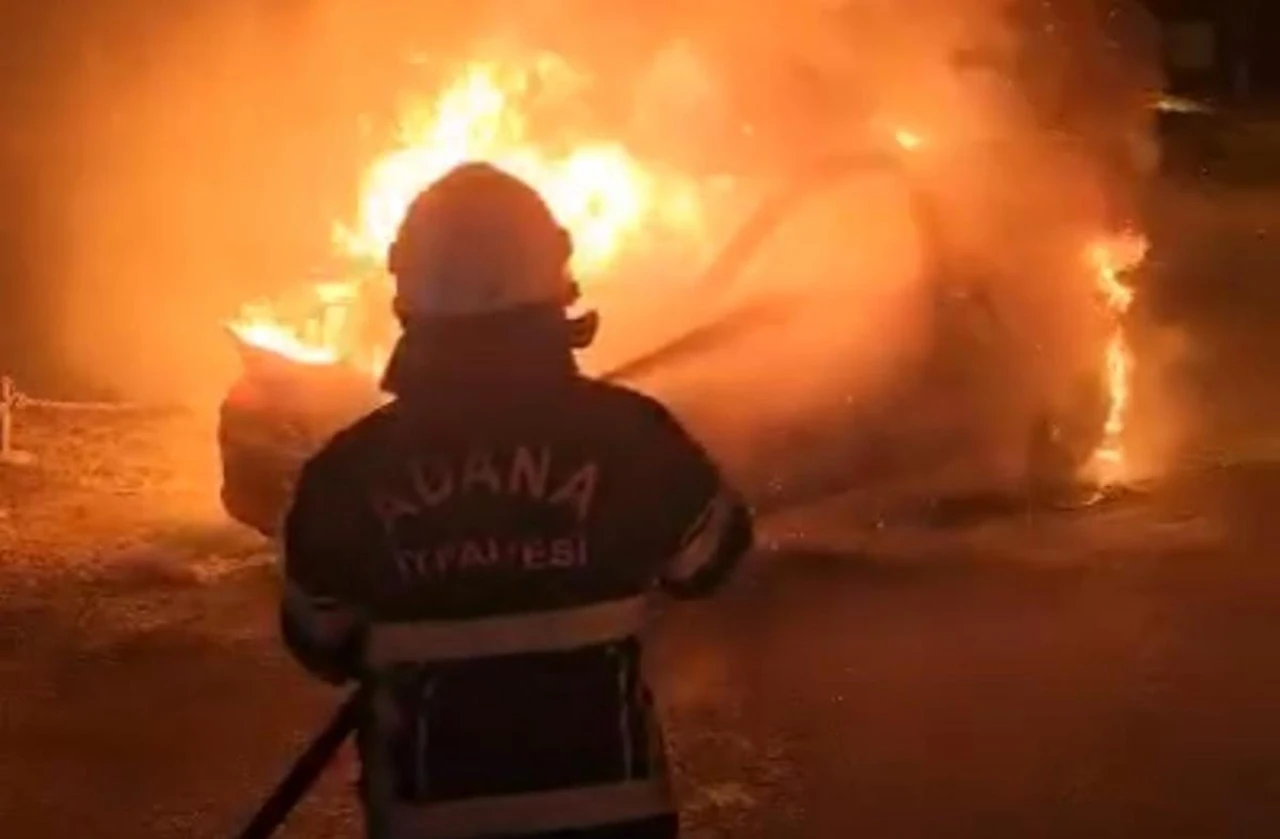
[306, 770]
[736, 256]
[724, 270]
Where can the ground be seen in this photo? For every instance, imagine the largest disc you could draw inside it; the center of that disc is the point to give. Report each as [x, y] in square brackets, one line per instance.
[938, 673]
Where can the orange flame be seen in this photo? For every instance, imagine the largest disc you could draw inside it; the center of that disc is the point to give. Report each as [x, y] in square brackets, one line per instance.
[1111, 259]
[598, 190]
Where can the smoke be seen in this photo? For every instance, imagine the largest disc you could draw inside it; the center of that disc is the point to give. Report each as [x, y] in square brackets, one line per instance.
[943, 300]
[210, 149]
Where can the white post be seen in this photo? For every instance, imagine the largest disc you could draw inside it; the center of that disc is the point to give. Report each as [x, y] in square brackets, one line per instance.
[6, 418]
[8, 411]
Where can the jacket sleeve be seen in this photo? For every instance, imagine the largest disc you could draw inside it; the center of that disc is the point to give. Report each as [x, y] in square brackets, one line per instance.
[325, 543]
[707, 527]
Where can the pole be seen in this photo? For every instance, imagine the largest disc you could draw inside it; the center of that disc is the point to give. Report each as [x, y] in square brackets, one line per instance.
[6, 418]
[306, 770]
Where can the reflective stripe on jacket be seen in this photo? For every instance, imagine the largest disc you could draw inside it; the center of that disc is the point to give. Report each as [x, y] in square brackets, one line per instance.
[487, 568]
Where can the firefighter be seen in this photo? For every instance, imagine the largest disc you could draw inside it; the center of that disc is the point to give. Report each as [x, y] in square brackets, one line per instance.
[481, 553]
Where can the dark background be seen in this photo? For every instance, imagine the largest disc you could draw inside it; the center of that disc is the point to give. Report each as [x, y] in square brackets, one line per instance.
[1245, 64]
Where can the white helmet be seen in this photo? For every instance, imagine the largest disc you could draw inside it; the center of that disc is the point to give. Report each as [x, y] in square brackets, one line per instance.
[477, 241]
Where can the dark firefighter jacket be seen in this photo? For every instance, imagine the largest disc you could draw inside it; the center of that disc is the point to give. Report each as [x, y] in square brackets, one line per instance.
[484, 563]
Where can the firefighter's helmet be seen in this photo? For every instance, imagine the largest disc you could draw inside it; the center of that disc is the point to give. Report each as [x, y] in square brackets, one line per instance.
[477, 241]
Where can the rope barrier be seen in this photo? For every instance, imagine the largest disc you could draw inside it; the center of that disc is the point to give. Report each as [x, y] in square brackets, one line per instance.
[12, 400]
[23, 401]
[15, 398]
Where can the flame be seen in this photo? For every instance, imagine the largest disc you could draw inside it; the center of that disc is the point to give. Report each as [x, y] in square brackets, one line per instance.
[908, 139]
[598, 190]
[609, 202]
[1110, 259]
[313, 329]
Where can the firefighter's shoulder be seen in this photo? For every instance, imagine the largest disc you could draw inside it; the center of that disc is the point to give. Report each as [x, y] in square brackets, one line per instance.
[341, 455]
[637, 413]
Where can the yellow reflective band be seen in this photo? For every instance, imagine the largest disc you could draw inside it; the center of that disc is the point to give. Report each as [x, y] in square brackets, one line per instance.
[539, 812]
[550, 631]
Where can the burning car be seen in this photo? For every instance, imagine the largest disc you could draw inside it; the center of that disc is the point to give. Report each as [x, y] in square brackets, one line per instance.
[757, 303]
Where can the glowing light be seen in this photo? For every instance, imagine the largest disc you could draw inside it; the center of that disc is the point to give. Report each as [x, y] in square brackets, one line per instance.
[1111, 259]
[907, 139]
[605, 197]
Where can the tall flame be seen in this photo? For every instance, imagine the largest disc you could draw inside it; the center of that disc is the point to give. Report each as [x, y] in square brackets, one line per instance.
[597, 189]
[1110, 259]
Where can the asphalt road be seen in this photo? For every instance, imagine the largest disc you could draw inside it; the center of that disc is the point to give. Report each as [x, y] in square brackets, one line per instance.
[976, 685]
